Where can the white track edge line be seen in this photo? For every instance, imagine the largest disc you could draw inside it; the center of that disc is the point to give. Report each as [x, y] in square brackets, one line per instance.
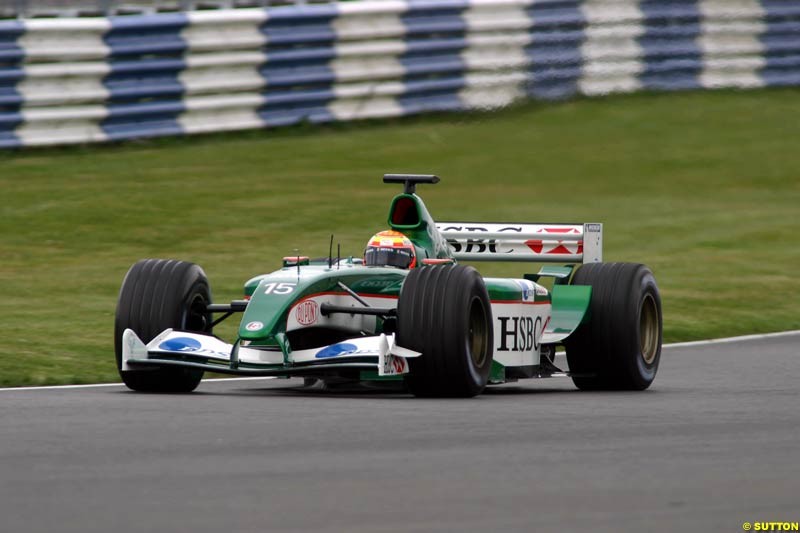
[727, 340]
[689, 344]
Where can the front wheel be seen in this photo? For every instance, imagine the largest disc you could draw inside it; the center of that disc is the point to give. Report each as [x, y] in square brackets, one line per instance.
[157, 294]
[620, 346]
[444, 312]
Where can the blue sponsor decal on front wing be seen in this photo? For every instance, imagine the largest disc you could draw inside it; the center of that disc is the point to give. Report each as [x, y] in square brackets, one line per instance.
[180, 344]
[335, 350]
[526, 289]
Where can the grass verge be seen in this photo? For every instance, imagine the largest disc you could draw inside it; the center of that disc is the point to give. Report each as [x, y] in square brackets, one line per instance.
[703, 187]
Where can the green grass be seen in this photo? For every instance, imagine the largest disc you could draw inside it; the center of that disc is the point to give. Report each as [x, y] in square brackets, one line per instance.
[703, 187]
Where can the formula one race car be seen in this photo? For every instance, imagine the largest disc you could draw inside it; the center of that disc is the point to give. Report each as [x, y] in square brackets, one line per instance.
[406, 310]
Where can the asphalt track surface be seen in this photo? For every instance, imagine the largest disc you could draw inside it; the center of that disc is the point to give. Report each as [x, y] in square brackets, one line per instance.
[714, 443]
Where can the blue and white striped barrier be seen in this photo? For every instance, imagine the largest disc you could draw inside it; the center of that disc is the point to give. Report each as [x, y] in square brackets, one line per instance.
[98, 79]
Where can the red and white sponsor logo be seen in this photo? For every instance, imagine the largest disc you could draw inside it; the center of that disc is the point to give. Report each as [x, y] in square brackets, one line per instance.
[399, 365]
[558, 247]
[307, 312]
[575, 231]
[555, 248]
[393, 366]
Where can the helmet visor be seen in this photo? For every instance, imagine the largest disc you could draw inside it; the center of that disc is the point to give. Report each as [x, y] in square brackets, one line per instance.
[395, 257]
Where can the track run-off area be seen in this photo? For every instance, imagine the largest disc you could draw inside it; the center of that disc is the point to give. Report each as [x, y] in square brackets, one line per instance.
[713, 444]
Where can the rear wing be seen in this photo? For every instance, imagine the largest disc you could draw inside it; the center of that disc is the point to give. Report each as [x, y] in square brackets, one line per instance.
[550, 243]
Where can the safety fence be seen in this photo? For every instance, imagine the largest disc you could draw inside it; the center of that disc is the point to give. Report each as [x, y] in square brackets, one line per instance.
[88, 8]
[76, 80]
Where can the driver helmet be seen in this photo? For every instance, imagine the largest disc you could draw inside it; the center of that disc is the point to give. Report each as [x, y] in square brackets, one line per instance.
[390, 248]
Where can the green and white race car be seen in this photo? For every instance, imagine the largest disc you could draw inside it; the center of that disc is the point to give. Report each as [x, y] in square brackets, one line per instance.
[407, 311]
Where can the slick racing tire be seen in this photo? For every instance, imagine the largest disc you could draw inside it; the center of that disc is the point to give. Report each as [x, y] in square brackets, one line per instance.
[444, 312]
[620, 346]
[157, 294]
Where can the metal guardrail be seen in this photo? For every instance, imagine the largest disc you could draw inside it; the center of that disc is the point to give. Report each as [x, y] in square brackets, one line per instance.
[104, 8]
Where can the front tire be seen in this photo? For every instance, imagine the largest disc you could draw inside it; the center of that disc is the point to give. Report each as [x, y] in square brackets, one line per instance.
[444, 312]
[157, 294]
[620, 347]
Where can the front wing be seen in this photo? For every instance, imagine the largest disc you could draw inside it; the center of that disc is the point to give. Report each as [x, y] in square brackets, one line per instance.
[195, 350]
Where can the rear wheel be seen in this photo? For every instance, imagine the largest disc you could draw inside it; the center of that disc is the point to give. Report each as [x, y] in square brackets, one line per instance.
[157, 294]
[620, 346]
[444, 312]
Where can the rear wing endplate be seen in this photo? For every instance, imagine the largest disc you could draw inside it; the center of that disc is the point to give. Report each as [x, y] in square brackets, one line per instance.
[549, 243]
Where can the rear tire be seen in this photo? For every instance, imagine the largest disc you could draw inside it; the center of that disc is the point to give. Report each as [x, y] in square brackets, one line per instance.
[157, 294]
[620, 347]
[444, 312]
